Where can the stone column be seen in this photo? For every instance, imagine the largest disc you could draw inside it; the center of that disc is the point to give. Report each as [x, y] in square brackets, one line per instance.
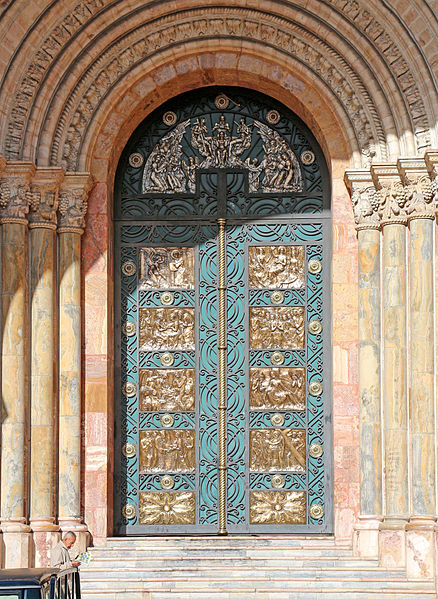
[421, 215]
[365, 204]
[15, 199]
[42, 224]
[395, 413]
[71, 223]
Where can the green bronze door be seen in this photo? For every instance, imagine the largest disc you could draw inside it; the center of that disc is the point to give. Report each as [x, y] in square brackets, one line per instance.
[222, 386]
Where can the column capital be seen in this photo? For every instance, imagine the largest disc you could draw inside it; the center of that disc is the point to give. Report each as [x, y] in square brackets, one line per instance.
[73, 202]
[391, 194]
[45, 188]
[364, 198]
[15, 194]
[418, 188]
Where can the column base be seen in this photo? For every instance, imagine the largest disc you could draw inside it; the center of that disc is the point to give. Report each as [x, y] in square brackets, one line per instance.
[366, 537]
[43, 543]
[420, 547]
[392, 543]
[81, 531]
[16, 549]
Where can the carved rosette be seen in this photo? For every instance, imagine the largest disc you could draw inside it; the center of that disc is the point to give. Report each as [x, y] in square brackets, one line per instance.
[44, 204]
[73, 203]
[15, 192]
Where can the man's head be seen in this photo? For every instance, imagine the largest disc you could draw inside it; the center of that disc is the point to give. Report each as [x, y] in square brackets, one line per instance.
[69, 539]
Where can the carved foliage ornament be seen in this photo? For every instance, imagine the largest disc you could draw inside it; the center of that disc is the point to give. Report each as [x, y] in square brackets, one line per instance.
[15, 199]
[420, 198]
[392, 202]
[72, 209]
[44, 205]
[365, 206]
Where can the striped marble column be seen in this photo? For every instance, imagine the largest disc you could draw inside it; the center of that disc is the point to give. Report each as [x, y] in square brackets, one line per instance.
[15, 200]
[71, 223]
[42, 224]
[364, 200]
[395, 407]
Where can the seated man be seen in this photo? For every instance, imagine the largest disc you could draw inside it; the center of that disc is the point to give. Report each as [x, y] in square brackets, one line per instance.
[60, 557]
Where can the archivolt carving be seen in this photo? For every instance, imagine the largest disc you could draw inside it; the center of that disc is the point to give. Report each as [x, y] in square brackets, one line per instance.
[322, 59]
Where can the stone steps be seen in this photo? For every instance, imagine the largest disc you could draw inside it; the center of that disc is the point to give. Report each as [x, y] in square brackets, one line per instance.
[268, 567]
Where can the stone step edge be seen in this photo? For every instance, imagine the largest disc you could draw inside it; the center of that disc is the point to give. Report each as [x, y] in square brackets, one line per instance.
[399, 591]
[263, 579]
[240, 557]
[331, 548]
[230, 537]
[245, 569]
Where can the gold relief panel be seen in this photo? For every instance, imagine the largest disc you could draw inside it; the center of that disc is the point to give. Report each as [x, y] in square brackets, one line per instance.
[167, 268]
[278, 450]
[277, 507]
[167, 390]
[277, 388]
[167, 328]
[276, 267]
[281, 328]
[167, 507]
[167, 451]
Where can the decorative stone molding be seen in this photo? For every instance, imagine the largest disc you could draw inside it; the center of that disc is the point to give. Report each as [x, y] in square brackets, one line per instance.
[364, 198]
[392, 195]
[418, 188]
[73, 202]
[15, 192]
[45, 188]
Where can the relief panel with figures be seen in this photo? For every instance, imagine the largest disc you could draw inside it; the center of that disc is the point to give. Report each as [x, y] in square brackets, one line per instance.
[276, 267]
[167, 389]
[167, 450]
[167, 328]
[276, 450]
[167, 268]
[281, 328]
[277, 388]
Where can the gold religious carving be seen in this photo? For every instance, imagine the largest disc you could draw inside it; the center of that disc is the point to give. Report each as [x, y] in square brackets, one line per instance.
[276, 267]
[167, 328]
[167, 268]
[167, 450]
[274, 450]
[277, 388]
[167, 507]
[277, 507]
[167, 390]
[281, 328]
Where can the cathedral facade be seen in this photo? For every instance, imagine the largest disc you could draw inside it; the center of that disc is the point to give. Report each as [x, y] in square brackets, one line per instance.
[218, 298]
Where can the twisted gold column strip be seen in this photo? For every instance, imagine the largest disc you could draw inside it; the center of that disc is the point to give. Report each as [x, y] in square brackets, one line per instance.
[221, 290]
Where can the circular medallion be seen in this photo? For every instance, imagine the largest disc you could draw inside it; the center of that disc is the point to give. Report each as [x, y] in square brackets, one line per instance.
[278, 481]
[221, 101]
[128, 328]
[136, 160]
[277, 419]
[167, 482]
[129, 389]
[314, 266]
[129, 511]
[317, 511]
[277, 358]
[169, 118]
[273, 117]
[315, 327]
[128, 450]
[316, 450]
[277, 297]
[167, 359]
[166, 298]
[129, 268]
[167, 420]
[307, 157]
[315, 388]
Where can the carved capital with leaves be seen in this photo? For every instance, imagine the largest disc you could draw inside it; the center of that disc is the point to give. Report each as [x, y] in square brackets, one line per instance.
[419, 188]
[15, 192]
[73, 202]
[392, 194]
[44, 205]
[364, 198]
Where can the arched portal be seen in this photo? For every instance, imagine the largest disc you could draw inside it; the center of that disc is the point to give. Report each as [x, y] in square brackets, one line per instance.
[222, 390]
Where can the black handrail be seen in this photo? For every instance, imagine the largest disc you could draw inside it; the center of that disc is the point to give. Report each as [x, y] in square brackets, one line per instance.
[67, 585]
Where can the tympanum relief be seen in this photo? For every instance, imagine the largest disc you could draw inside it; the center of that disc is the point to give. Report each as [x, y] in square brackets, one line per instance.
[167, 268]
[276, 328]
[274, 450]
[167, 328]
[167, 389]
[277, 388]
[167, 450]
[276, 267]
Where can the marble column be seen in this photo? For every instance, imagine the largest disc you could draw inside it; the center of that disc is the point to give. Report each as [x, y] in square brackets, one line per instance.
[15, 200]
[42, 224]
[395, 413]
[71, 223]
[364, 200]
[421, 215]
